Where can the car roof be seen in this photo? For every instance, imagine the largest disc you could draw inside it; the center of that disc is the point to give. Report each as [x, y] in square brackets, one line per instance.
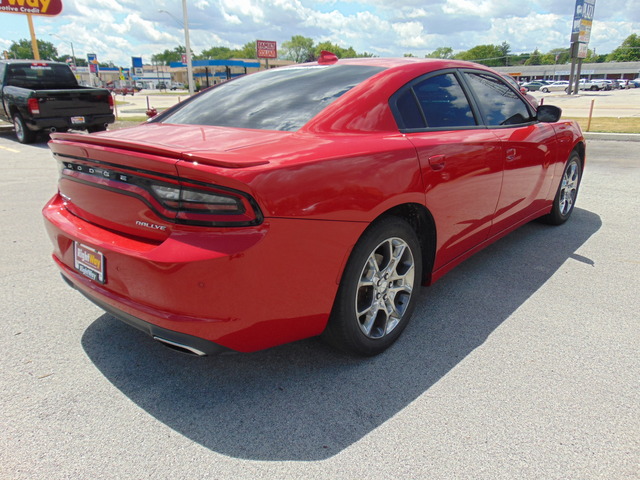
[405, 63]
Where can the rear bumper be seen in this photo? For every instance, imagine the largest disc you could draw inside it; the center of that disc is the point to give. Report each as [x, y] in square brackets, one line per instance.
[37, 124]
[181, 341]
[243, 289]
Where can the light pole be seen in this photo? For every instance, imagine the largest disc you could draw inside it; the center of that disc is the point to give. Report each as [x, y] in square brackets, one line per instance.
[185, 26]
[73, 53]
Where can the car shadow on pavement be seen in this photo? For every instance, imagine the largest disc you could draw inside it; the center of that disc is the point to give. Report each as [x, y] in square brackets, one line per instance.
[305, 401]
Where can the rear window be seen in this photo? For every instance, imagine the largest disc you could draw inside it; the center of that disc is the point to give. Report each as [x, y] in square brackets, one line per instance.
[39, 76]
[278, 99]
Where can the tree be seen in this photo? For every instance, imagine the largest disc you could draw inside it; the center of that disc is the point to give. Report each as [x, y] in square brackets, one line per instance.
[535, 58]
[505, 49]
[248, 50]
[22, 49]
[560, 55]
[335, 49]
[441, 52]
[490, 55]
[168, 56]
[629, 51]
[216, 53]
[298, 49]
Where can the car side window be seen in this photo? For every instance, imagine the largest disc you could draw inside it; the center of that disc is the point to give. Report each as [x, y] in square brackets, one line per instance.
[436, 102]
[498, 103]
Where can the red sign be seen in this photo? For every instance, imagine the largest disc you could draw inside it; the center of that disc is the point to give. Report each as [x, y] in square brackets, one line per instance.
[266, 49]
[32, 7]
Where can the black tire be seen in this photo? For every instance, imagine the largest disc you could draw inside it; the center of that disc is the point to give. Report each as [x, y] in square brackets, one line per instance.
[567, 192]
[96, 128]
[23, 134]
[545, 90]
[377, 294]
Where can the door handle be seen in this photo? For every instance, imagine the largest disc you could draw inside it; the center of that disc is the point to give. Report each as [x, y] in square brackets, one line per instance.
[436, 162]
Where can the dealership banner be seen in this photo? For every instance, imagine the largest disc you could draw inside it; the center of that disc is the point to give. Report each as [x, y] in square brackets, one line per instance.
[32, 7]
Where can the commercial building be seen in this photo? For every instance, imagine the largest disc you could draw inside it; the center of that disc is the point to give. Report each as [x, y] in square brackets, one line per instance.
[591, 71]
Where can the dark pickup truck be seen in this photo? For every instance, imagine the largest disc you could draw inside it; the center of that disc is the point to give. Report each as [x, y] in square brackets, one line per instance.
[45, 96]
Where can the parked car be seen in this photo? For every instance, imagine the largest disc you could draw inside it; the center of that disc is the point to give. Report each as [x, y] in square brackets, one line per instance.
[535, 85]
[121, 88]
[530, 98]
[41, 96]
[604, 84]
[161, 86]
[585, 84]
[559, 86]
[177, 86]
[306, 200]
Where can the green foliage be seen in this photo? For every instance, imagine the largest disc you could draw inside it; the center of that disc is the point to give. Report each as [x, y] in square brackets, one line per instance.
[534, 59]
[490, 55]
[441, 52]
[216, 53]
[629, 51]
[335, 49]
[22, 49]
[168, 56]
[299, 49]
[248, 50]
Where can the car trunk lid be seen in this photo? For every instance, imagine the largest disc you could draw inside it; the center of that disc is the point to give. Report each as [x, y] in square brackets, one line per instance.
[113, 180]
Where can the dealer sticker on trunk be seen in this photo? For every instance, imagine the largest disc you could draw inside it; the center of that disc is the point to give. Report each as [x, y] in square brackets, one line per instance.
[89, 262]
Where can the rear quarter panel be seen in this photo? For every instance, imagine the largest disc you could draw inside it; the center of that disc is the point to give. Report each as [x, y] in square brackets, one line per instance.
[344, 178]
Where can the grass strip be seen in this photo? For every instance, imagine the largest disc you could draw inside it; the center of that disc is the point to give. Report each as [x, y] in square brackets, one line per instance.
[609, 124]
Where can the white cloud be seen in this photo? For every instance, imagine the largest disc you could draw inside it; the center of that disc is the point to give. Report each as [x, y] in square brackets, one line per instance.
[118, 29]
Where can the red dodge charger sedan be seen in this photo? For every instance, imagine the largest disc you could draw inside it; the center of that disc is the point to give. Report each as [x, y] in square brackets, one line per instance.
[308, 200]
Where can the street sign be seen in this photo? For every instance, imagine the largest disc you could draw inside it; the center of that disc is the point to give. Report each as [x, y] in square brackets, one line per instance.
[266, 49]
[32, 7]
[582, 20]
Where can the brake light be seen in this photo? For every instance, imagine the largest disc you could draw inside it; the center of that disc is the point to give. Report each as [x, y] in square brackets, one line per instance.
[211, 206]
[33, 105]
[204, 205]
[111, 103]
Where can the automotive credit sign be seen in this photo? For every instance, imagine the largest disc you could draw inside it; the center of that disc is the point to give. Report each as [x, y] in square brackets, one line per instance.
[32, 7]
[266, 49]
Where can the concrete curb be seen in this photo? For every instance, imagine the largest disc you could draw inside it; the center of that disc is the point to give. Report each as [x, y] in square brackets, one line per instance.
[619, 137]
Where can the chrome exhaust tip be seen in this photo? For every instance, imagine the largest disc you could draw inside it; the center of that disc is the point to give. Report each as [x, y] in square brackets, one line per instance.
[179, 347]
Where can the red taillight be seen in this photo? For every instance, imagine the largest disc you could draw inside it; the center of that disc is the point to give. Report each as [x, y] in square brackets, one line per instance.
[206, 207]
[111, 106]
[34, 106]
[203, 205]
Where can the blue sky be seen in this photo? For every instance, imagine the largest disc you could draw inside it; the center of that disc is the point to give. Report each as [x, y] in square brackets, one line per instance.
[117, 30]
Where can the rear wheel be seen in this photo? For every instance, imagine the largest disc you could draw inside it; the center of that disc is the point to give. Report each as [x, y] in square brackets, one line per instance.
[545, 90]
[23, 134]
[379, 289]
[567, 192]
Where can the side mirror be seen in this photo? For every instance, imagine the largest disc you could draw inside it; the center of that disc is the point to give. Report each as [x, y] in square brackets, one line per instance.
[548, 113]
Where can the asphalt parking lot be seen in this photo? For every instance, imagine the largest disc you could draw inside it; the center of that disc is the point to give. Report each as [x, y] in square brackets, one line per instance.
[521, 363]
